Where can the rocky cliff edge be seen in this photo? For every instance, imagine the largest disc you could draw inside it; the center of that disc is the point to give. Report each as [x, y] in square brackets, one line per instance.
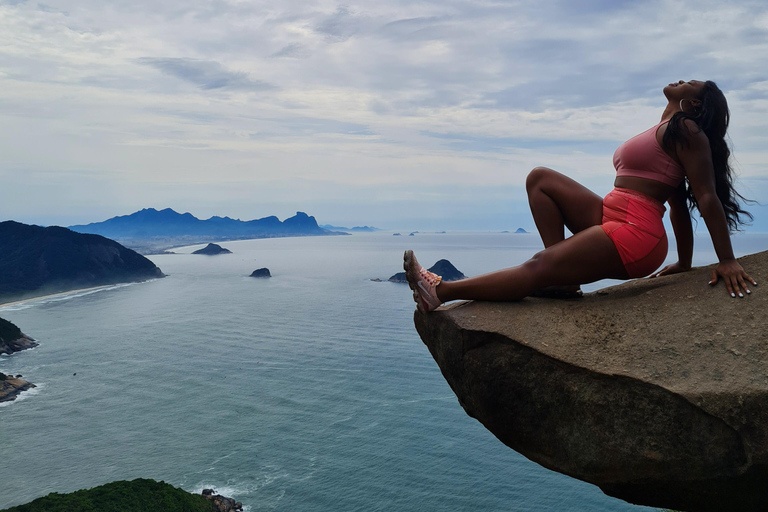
[655, 390]
[11, 387]
[12, 339]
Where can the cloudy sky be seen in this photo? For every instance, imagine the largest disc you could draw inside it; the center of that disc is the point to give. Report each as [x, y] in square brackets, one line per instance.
[400, 114]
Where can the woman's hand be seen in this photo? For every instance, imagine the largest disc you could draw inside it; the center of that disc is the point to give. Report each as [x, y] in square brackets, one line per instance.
[674, 268]
[733, 276]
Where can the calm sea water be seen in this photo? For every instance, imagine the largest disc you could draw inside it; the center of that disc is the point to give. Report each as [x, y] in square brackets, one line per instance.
[309, 391]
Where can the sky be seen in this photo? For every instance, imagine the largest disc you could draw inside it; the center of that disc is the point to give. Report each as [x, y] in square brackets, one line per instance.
[401, 114]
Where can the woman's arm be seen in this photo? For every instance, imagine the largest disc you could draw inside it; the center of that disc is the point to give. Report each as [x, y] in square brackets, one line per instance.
[696, 157]
[681, 224]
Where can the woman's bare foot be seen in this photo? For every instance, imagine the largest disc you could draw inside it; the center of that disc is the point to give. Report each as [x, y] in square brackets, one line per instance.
[422, 282]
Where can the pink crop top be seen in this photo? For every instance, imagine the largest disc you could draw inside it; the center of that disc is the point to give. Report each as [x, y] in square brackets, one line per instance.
[642, 157]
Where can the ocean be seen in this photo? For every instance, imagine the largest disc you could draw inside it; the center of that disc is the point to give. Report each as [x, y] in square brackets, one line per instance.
[308, 391]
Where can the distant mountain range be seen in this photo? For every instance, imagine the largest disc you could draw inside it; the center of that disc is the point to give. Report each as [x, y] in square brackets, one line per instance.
[358, 229]
[36, 261]
[150, 223]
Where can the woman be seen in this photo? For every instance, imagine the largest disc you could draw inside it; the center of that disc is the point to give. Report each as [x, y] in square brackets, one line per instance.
[682, 161]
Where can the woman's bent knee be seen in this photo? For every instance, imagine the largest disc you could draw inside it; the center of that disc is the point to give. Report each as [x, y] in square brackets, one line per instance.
[536, 176]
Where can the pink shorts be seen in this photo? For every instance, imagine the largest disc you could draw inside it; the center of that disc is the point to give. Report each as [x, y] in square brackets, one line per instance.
[633, 221]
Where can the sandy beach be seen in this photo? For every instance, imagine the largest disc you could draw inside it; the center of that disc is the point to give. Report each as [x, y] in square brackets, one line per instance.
[53, 295]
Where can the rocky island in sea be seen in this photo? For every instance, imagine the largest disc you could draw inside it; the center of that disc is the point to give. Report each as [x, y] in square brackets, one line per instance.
[261, 272]
[356, 229]
[37, 261]
[443, 268]
[151, 231]
[212, 250]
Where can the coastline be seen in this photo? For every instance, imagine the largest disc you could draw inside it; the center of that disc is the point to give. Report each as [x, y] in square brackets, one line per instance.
[52, 295]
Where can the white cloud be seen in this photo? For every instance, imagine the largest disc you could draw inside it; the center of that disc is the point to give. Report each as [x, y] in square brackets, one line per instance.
[393, 96]
[205, 74]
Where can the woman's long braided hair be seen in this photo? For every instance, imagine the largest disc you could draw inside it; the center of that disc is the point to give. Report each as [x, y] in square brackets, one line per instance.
[712, 117]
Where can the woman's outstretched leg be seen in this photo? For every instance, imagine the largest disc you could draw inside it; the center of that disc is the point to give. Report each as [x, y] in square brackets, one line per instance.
[585, 257]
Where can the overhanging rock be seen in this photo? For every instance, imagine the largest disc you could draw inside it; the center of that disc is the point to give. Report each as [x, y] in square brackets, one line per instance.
[655, 390]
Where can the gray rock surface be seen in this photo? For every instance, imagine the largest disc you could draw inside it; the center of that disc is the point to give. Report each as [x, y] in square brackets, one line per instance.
[655, 390]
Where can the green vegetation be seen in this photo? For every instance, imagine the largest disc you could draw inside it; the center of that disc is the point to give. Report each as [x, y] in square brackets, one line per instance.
[140, 495]
[3, 376]
[8, 331]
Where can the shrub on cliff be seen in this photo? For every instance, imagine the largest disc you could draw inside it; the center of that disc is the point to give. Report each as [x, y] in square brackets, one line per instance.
[140, 495]
[8, 331]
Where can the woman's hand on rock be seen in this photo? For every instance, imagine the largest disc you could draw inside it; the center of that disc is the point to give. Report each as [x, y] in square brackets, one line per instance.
[674, 268]
[734, 277]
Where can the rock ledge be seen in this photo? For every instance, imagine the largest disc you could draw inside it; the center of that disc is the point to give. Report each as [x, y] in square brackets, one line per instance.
[655, 390]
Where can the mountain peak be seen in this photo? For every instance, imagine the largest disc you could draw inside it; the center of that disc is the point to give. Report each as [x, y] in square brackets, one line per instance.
[149, 223]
